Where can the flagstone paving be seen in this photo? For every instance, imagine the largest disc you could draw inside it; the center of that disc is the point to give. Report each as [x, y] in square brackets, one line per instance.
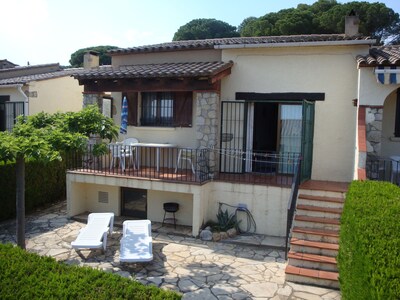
[195, 268]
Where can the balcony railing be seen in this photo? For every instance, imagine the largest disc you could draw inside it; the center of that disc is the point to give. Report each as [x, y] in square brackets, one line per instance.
[383, 169]
[185, 165]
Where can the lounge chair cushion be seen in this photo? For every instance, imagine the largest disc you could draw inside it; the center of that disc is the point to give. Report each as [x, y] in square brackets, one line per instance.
[136, 243]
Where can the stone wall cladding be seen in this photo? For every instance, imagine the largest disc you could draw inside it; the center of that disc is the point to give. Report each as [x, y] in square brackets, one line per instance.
[206, 126]
[373, 123]
[90, 99]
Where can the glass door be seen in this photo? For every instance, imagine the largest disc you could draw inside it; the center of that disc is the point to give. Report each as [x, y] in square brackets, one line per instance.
[134, 203]
[290, 123]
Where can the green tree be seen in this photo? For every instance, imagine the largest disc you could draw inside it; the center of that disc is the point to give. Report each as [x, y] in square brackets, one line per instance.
[324, 17]
[76, 60]
[199, 29]
[46, 137]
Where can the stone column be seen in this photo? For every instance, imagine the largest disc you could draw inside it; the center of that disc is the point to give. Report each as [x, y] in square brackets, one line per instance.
[206, 125]
[90, 99]
[373, 123]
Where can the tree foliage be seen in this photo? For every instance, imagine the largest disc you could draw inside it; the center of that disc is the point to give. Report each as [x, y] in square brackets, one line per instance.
[326, 17]
[199, 29]
[76, 60]
[45, 137]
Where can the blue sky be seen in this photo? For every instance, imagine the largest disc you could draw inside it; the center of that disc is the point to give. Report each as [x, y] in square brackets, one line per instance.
[49, 31]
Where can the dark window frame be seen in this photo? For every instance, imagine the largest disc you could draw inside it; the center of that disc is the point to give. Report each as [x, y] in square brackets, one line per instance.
[172, 109]
[397, 116]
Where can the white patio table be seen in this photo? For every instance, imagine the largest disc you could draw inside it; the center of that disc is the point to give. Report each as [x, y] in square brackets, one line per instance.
[158, 147]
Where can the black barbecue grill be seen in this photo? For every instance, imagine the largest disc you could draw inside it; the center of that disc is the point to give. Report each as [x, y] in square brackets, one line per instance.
[170, 207]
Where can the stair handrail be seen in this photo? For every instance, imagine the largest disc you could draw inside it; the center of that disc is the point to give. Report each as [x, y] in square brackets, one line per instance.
[292, 204]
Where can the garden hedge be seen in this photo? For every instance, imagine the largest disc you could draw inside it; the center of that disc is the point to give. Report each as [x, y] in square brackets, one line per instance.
[44, 183]
[369, 246]
[26, 275]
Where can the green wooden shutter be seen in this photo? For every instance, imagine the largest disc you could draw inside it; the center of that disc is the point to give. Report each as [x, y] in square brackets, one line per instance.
[307, 139]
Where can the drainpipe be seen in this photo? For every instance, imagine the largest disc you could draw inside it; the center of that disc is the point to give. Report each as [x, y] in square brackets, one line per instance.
[26, 106]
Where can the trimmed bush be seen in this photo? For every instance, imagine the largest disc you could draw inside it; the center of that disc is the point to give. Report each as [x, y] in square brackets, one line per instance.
[369, 252]
[26, 275]
[44, 183]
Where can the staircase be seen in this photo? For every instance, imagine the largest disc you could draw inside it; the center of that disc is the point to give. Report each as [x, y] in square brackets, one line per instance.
[314, 243]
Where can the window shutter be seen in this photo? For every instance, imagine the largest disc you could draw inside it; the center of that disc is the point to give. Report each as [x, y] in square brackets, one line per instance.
[183, 109]
[132, 98]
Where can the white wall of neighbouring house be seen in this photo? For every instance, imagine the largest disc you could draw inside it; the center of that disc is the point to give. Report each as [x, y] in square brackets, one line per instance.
[390, 143]
[58, 94]
[15, 95]
[371, 92]
[329, 70]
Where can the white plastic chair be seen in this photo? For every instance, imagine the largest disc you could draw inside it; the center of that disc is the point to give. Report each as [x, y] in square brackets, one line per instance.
[130, 150]
[186, 154]
[94, 234]
[136, 242]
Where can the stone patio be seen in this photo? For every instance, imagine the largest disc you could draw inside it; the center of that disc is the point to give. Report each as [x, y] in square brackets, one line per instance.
[195, 268]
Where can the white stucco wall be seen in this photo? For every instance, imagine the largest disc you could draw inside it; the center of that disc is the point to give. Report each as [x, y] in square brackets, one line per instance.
[390, 144]
[58, 94]
[167, 57]
[198, 204]
[329, 70]
[371, 92]
[267, 204]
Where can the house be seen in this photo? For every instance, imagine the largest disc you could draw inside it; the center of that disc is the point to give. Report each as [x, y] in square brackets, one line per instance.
[241, 99]
[32, 89]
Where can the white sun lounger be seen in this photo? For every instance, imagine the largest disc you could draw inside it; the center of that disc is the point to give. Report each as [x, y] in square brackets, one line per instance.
[94, 234]
[136, 242]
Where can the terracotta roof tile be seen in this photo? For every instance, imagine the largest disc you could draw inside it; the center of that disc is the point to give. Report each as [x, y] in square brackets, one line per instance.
[212, 43]
[35, 77]
[380, 56]
[193, 69]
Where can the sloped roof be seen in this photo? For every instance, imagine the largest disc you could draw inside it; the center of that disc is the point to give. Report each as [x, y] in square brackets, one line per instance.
[192, 69]
[380, 56]
[263, 40]
[42, 76]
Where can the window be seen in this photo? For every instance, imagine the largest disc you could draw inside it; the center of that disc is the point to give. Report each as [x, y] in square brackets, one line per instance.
[166, 109]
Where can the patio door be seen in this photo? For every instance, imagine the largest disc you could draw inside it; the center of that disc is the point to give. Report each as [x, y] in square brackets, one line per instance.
[307, 139]
[134, 203]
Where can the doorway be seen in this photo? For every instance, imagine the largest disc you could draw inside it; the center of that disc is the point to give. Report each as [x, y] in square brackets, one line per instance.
[265, 137]
[134, 203]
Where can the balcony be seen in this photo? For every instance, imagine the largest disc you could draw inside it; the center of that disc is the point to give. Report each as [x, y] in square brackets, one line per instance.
[181, 165]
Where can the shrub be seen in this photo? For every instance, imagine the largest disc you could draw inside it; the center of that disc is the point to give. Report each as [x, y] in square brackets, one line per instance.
[26, 275]
[369, 252]
[44, 183]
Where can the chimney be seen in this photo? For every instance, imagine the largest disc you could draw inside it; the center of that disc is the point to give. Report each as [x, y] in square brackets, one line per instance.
[352, 22]
[90, 60]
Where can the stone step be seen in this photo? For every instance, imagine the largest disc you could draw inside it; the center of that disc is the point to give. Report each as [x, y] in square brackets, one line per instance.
[312, 261]
[319, 211]
[312, 277]
[323, 201]
[322, 193]
[316, 235]
[312, 247]
[317, 223]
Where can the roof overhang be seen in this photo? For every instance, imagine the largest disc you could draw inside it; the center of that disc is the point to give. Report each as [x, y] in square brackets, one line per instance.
[155, 77]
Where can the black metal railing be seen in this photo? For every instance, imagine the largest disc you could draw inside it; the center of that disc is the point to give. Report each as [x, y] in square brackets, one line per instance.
[176, 164]
[383, 169]
[257, 167]
[163, 163]
[292, 205]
